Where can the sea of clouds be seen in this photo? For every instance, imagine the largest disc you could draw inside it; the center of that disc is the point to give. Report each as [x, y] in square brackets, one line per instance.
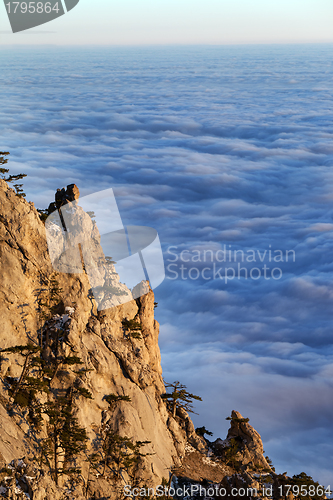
[217, 148]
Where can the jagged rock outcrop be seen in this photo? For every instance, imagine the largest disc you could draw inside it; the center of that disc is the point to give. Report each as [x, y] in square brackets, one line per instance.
[63, 196]
[243, 448]
[197, 442]
[115, 362]
[230, 464]
[74, 247]
[251, 452]
[235, 468]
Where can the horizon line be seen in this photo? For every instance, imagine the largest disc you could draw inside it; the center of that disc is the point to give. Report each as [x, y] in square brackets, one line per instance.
[156, 44]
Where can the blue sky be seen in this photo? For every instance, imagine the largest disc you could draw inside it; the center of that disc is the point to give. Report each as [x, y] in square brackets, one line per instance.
[136, 22]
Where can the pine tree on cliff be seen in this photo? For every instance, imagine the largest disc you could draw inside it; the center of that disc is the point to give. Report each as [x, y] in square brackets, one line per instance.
[132, 328]
[28, 352]
[201, 431]
[11, 178]
[66, 438]
[179, 398]
[3, 161]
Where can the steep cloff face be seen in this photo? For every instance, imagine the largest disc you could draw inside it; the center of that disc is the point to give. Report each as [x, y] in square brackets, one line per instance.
[26, 15]
[119, 349]
[89, 236]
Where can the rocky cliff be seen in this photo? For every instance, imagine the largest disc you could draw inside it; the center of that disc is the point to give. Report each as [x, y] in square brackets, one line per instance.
[81, 407]
[112, 361]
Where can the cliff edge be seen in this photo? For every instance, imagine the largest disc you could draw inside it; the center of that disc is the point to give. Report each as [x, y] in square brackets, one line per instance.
[118, 376]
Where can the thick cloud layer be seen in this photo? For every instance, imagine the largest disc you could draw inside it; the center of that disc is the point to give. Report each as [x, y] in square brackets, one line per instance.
[221, 149]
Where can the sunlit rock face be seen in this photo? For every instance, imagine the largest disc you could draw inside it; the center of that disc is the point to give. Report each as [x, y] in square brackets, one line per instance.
[115, 362]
